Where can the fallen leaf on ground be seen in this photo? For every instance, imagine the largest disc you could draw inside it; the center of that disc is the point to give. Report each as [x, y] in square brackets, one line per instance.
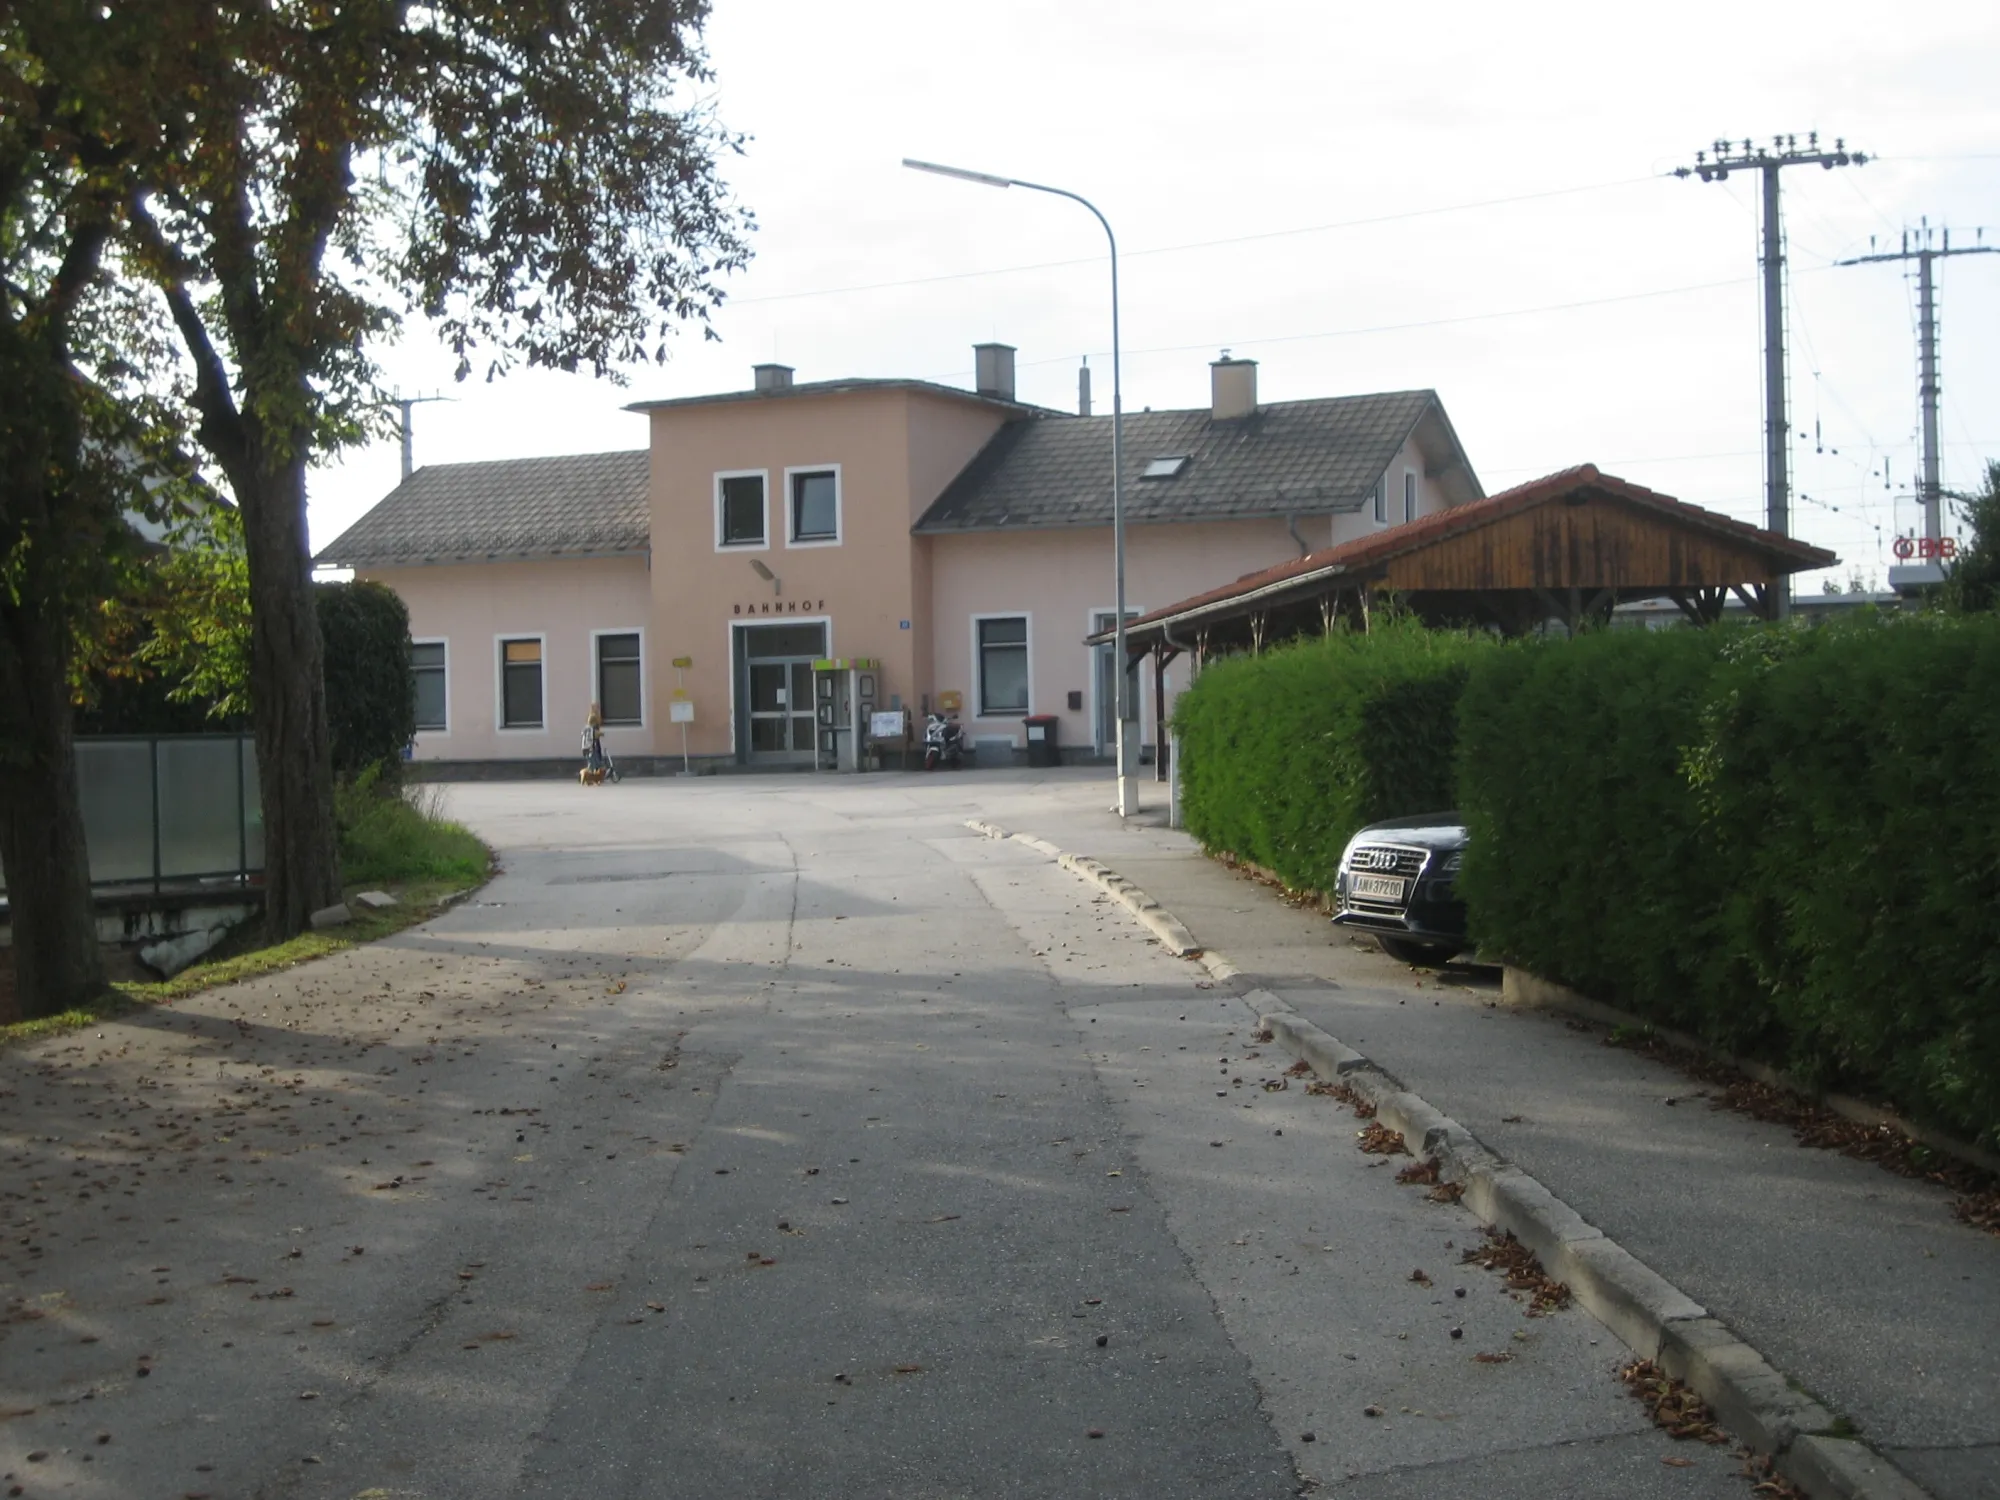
[1523, 1272]
[1670, 1403]
[1377, 1139]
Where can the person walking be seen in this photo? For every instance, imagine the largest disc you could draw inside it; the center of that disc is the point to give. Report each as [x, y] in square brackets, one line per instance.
[593, 746]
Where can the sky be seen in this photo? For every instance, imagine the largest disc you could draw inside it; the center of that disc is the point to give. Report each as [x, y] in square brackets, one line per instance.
[1471, 198]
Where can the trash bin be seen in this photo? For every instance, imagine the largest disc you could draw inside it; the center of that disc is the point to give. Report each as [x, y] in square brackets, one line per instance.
[1042, 740]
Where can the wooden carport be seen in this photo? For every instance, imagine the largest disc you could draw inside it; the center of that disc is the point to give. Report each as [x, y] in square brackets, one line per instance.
[1569, 548]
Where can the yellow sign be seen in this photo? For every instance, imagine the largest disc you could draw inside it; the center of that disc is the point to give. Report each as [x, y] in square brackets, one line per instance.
[683, 662]
[951, 702]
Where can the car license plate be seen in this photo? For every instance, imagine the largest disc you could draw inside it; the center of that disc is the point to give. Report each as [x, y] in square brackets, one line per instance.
[1376, 888]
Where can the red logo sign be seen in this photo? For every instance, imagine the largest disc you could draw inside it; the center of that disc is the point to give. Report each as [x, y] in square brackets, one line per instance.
[1940, 549]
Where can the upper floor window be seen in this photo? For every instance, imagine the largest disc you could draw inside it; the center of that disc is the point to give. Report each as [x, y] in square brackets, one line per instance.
[1409, 495]
[521, 683]
[1382, 501]
[740, 510]
[815, 505]
[427, 668]
[618, 695]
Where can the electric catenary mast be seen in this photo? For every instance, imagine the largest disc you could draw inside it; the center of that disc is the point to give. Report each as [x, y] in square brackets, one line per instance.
[1926, 247]
[1715, 165]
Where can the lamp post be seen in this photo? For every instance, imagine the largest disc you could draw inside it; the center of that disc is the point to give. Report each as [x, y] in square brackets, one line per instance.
[1128, 780]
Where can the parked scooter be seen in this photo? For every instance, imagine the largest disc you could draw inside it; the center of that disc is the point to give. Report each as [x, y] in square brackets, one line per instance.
[944, 743]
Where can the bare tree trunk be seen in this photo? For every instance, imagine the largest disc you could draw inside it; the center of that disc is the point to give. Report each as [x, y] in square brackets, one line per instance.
[57, 961]
[288, 705]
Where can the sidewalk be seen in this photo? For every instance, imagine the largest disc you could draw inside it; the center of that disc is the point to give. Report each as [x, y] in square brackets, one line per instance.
[1857, 1284]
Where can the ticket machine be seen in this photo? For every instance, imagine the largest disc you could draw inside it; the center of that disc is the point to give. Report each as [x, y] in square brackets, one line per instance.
[843, 699]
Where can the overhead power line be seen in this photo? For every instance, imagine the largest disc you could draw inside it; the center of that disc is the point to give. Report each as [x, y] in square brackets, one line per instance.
[1238, 239]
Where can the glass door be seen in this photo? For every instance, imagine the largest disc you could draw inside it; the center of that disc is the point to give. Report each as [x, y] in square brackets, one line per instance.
[770, 708]
[776, 681]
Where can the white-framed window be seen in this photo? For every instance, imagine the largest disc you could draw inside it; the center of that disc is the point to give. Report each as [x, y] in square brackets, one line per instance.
[812, 506]
[521, 681]
[742, 510]
[429, 671]
[1409, 494]
[1382, 501]
[617, 669]
[1000, 658]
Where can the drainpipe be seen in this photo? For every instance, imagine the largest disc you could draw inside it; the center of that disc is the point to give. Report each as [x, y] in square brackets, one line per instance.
[1292, 525]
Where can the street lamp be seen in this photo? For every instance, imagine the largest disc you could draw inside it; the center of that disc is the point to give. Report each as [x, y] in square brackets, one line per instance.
[1128, 780]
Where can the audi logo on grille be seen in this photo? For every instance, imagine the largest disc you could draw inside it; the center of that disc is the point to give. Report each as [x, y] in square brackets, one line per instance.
[1374, 859]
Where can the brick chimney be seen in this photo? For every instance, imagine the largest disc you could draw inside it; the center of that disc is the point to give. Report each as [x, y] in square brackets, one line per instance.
[772, 377]
[1232, 388]
[993, 370]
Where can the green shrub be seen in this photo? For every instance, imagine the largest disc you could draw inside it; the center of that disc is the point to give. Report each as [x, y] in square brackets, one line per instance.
[391, 835]
[1856, 787]
[1589, 861]
[1787, 841]
[1284, 755]
[371, 696]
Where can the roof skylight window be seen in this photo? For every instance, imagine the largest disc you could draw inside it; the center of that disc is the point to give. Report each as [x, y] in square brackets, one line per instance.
[1166, 466]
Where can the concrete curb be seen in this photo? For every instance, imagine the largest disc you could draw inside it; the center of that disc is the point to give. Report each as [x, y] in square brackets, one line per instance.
[1659, 1321]
[1156, 919]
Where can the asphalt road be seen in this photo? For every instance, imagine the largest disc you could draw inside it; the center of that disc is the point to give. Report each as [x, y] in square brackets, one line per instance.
[754, 1136]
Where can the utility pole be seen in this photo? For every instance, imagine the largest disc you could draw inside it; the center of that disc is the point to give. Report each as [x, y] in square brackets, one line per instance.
[404, 403]
[1926, 252]
[1715, 166]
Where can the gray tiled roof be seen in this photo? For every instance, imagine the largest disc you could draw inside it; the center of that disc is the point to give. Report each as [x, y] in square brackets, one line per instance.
[1288, 458]
[587, 504]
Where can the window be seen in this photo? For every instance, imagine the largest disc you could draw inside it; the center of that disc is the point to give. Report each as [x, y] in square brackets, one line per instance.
[815, 505]
[618, 695]
[1003, 665]
[521, 684]
[1165, 467]
[1409, 495]
[740, 501]
[1382, 501]
[427, 668]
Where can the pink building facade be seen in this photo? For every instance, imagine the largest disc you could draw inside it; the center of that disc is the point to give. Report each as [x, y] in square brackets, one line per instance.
[960, 540]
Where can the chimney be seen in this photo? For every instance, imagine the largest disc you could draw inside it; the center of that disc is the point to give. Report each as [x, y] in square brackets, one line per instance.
[772, 377]
[993, 370]
[1232, 386]
[1083, 389]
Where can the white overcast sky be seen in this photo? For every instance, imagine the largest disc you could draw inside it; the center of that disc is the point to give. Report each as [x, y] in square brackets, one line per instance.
[1469, 197]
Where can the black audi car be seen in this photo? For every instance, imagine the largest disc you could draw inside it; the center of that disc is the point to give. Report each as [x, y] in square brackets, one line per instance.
[1397, 881]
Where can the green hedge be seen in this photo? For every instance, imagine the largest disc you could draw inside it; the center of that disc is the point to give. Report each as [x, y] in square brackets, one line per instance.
[1589, 860]
[1788, 841]
[371, 695]
[1284, 755]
